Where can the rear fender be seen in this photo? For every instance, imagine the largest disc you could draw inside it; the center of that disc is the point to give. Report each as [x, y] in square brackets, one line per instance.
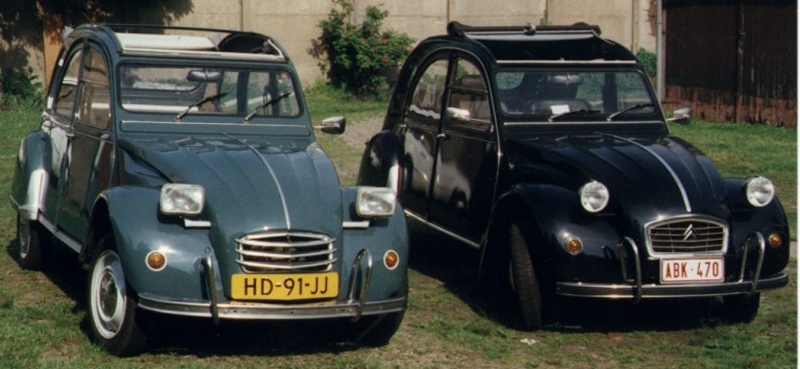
[381, 160]
[32, 174]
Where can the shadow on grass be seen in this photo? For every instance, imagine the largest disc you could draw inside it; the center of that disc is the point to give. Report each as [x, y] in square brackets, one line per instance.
[169, 334]
[456, 266]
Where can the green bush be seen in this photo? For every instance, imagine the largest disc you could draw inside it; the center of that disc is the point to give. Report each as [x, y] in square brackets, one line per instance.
[359, 57]
[648, 61]
[20, 87]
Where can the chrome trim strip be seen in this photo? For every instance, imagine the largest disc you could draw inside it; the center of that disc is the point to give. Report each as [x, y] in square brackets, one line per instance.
[652, 291]
[761, 249]
[274, 178]
[362, 293]
[566, 62]
[61, 236]
[238, 310]
[355, 224]
[637, 297]
[208, 265]
[192, 223]
[666, 166]
[442, 230]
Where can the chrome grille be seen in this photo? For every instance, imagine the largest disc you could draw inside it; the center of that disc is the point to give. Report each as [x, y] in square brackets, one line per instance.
[687, 236]
[286, 252]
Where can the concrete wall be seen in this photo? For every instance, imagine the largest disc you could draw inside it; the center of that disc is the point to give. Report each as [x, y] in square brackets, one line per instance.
[295, 24]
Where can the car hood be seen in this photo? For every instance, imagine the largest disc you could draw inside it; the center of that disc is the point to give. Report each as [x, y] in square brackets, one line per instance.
[251, 184]
[647, 178]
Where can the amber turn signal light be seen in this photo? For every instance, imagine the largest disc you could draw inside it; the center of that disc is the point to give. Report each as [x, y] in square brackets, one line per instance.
[391, 259]
[156, 261]
[775, 240]
[573, 245]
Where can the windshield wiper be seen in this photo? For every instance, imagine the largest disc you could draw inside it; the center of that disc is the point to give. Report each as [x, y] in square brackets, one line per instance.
[197, 104]
[630, 108]
[568, 113]
[267, 103]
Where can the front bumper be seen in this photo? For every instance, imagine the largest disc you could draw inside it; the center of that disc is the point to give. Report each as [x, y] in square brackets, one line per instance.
[637, 291]
[215, 308]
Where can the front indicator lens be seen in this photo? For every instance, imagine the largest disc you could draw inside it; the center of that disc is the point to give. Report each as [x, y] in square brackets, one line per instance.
[156, 261]
[182, 199]
[391, 259]
[775, 240]
[759, 191]
[573, 245]
[594, 196]
[375, 202]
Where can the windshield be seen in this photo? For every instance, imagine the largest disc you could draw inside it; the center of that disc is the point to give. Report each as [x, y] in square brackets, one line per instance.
[182, 91]
[575, 95]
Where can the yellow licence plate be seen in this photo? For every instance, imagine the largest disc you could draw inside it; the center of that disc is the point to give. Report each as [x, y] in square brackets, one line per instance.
[285, 287]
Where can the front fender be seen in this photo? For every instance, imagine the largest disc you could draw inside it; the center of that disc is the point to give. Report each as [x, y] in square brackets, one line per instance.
[551, 214]
[377, 236]
[139, 228]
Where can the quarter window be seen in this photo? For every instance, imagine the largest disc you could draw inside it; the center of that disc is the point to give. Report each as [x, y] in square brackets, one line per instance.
[427, 98]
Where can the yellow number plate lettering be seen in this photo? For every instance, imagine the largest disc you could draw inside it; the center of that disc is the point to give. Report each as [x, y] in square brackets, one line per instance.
[285, 287]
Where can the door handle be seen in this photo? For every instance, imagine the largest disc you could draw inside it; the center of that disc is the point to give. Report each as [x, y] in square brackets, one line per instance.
[442, 136]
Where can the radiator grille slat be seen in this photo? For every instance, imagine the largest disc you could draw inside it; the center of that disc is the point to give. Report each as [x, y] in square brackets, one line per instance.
[286, 251]
[687, 236]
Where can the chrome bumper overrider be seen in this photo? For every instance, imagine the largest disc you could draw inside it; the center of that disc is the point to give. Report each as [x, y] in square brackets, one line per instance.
[637, 291]
[216, 309]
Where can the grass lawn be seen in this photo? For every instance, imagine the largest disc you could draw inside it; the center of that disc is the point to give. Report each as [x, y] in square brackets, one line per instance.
[42, 315]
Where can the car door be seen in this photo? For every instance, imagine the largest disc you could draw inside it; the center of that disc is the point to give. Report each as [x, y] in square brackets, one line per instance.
[87, 163]
[466, 157]
[421, 124]
[57, 123]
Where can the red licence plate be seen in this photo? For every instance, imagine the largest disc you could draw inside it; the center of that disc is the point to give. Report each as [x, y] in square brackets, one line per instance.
[694, 270]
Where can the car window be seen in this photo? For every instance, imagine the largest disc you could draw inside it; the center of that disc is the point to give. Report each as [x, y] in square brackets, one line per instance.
[65, 97]
[468, 99]
[542, 94]
[427, 97]
[94, 98]
[215, 91]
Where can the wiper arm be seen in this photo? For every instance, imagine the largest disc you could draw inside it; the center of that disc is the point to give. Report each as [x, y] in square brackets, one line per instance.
[630, 108]
[196, 104]
[568, 113]
[267, 103]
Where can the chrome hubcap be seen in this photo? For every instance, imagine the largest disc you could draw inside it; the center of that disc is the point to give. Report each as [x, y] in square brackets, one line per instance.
[108, 295]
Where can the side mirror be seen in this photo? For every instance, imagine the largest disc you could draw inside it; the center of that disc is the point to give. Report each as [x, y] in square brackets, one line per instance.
[681, 116]
[333, 125]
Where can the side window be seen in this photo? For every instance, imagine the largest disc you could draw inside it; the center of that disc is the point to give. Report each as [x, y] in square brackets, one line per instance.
[94, 98]
[65, 97]
[427, 97]
[468, 103]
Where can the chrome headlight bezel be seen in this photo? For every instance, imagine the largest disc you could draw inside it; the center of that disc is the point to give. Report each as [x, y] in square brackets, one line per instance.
[759, 191]
[375, 202]
[182, 199]
[594, 196]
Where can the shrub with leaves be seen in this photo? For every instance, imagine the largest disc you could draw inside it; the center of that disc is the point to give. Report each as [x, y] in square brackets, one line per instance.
[648, 61]
[359, 56]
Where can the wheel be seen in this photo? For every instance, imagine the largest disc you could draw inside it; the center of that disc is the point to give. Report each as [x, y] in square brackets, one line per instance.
[28, 244]
[741, 308]
[523, 280]
[111, 308]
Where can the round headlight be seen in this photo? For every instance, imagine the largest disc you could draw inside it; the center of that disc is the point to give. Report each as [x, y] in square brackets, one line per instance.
[594, 196]
[759, 191]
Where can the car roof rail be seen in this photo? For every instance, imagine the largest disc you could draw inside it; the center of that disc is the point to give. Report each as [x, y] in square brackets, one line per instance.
[459, 29]
[231, 41]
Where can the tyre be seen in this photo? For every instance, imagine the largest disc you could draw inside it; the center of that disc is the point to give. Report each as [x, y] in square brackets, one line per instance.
[29, 246]
[740, 308]
[522, 277]
[112, 311]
